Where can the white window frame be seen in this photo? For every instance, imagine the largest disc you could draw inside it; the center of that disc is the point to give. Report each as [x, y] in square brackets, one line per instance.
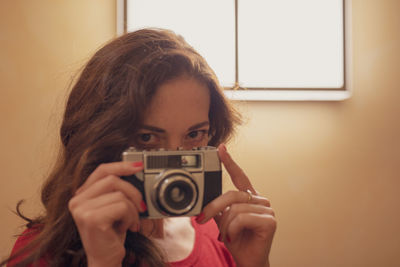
[286, 94]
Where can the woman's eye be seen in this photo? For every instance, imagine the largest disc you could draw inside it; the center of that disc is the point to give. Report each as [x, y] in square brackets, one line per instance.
[193, 134]
[145, 137]
[197, 135]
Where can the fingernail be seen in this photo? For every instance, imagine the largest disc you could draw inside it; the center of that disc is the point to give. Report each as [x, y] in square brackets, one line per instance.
[200, 217]
[137, 164]
[143, 206]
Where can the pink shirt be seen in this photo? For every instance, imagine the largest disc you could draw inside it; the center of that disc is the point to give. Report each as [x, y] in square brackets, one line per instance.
[207, 250]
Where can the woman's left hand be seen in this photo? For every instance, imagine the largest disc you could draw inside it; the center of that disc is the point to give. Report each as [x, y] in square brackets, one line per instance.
[246, 221]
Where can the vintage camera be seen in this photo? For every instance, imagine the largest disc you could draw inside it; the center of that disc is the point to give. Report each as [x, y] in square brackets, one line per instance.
[176, 182]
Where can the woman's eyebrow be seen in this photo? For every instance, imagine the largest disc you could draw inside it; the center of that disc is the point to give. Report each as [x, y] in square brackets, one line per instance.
[160, 130]
[199, 125]
[153, 128]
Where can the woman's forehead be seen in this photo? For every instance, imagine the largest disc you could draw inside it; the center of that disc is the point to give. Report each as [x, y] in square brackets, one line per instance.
[182, 99]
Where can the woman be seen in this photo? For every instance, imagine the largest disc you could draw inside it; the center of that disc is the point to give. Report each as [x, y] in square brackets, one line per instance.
[147, 89]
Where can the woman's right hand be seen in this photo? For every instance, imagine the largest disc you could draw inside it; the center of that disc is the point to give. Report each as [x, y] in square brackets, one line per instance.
[103, 209]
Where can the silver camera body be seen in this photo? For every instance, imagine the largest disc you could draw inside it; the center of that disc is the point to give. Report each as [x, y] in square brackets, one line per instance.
[176, 182]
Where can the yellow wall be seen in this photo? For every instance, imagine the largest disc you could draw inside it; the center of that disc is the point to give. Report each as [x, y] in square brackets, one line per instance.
[331, 170]
[43, 43]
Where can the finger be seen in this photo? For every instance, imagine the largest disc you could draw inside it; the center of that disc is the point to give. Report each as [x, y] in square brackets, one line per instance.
[122, 168]
[229, 214]
[121, 213]
[104, 200]
[109, 184]
[220, 216]
[227, 199]
[260, 225]
[260, 200]
[239, 178]
[118, 216]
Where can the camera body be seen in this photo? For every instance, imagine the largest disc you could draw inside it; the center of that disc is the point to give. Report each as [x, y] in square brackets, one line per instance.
[176, 182]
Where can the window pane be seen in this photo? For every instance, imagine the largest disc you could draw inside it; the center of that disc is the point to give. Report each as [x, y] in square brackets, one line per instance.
[291, 43]
[208, 25]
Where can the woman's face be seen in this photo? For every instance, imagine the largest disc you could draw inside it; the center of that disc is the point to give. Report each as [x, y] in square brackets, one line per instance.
[177, 116]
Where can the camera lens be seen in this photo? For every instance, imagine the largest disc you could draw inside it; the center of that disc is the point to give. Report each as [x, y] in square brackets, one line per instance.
[177, 194]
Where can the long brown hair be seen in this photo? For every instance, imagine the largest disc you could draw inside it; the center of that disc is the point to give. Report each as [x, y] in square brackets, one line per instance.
[105, 108]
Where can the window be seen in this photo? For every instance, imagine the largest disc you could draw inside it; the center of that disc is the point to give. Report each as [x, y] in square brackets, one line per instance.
[260, 49]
